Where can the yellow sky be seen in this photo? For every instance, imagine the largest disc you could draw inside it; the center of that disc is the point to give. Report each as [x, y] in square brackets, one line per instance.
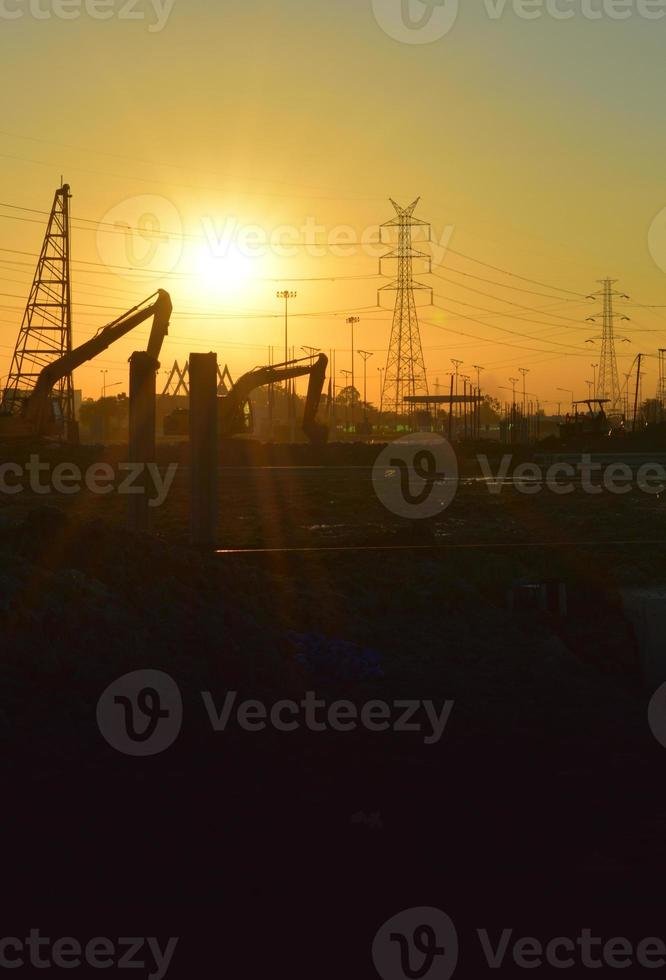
[536, 147]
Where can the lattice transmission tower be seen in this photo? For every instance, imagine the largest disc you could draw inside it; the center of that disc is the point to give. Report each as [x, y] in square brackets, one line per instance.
[46, 330]
[608, 384]
[405, 367]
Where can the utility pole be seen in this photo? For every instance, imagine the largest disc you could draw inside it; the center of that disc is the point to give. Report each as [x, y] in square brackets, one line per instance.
[525, 423]
[381, 390]
[594, 380]
[638, 383]
[271, 398]
[457, 365]
[366, 355]
[466, 380]
[451, 408]
[352, 321]
[478, 369]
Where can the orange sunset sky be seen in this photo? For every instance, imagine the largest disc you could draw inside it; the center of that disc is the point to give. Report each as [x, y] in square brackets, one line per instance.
[536, 147]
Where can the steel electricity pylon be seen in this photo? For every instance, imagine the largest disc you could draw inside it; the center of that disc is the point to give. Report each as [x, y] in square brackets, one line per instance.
[405, 367]
[45, 334]
[607, 380]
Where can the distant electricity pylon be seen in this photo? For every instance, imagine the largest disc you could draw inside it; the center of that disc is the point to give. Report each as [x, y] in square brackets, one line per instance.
[178, 382]
[46, 330]
[405, 368]
[608, 384]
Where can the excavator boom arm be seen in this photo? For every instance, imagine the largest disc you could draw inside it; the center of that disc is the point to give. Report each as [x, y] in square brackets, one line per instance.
[259, 377]
[36, 406]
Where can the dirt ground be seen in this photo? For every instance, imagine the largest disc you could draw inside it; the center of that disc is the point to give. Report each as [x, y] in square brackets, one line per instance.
[547, 785]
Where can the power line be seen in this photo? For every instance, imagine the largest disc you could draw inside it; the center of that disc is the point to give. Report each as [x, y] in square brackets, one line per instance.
[515, 275]
[503, 285]
[499, 299]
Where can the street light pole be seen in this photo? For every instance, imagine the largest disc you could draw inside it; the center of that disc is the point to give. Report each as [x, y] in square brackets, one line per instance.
[366, 355]
[347, 375]
[478, 368]
[310, 351]
[352, 321]
[466, 379]
[524, 372]
[567, 391]
[514, 382]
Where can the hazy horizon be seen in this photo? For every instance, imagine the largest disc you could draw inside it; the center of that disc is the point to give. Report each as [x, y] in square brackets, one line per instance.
[520, 136]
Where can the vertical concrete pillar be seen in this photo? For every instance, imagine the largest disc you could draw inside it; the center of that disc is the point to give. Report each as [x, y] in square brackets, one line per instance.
[203, 450]
[143, 373]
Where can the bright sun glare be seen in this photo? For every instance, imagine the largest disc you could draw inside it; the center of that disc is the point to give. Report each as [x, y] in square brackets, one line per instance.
[221, 275]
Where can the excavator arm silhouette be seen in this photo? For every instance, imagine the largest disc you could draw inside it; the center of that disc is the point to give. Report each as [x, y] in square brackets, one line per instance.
[36, 416]
[234, 409]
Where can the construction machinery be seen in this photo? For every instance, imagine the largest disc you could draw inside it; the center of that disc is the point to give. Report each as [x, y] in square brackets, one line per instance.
[235, 408]
[591, 425]
[38, 413]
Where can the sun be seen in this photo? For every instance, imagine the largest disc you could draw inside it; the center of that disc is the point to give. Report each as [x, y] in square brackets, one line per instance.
[216, 275]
